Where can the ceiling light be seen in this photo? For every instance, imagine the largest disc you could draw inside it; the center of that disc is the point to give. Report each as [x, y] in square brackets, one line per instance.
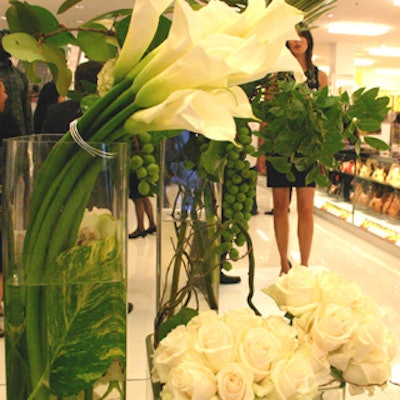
[396, 2]
[385, 51]
[388, 71]
[363, 62]
[357, 28]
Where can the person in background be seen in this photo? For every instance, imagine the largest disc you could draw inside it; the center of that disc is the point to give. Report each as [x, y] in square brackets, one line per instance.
[60, 115]
[302, 49]
[142, 206]
[254, 126]
[18, 105]
[48, 95]
[34, 96]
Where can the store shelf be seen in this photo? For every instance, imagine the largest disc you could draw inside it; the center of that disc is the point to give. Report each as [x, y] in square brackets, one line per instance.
[373, 227]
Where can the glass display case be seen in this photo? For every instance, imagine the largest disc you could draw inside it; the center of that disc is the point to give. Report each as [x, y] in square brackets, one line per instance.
[364, 192]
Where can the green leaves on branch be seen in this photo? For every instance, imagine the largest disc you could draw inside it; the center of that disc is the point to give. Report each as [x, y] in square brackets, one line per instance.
[37, 36]
[30, 51]
[307, 128]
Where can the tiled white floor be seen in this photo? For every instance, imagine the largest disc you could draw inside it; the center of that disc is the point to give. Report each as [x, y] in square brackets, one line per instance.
[375, 270]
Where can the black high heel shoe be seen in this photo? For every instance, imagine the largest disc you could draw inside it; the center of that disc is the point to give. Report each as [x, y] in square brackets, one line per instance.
[285, 273]
[137, 233]
[151, 230]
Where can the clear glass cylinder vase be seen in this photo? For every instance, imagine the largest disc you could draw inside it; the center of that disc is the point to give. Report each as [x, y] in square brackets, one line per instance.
[189, 216]
[64, 266]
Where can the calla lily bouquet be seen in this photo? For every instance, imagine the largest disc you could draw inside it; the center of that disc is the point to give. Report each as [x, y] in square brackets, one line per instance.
[331, 335]
[189, 80]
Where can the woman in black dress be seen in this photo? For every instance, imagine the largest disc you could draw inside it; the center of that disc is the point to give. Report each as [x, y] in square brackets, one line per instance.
[302, 49]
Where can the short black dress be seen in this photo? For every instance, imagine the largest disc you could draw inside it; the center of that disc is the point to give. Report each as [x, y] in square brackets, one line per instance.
[276, 179]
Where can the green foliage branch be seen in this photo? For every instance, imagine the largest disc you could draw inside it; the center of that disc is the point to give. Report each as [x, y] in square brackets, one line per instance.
[306, 128]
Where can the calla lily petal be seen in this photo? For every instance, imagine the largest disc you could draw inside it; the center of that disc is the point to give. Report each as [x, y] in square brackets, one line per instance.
[287, 62]
[209, 113]
[201, 54]
[143, 26]
[195, 69]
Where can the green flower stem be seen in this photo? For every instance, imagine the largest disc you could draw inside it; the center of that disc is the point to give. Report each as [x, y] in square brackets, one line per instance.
[201, 259]
[178, 257]
[60, 186]
[35, 345]
[88, 394]
[211, 262]
[252, 268]
[58, 157]
[62, 181]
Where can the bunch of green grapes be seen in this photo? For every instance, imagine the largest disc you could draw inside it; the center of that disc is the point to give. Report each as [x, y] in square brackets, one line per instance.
[238, 194]
[144, 164]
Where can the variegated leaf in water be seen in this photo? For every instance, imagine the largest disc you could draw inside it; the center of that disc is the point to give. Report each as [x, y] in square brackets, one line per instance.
[86, 311]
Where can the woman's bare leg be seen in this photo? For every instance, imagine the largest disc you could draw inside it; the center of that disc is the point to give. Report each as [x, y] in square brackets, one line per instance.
[139, 210]
[281, 199]
[148, 209]
[305, 225]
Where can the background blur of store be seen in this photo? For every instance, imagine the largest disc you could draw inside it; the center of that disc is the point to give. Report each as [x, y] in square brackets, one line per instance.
[364, 192]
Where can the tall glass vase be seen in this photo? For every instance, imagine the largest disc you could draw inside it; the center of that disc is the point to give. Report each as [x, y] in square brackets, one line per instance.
[189, 216]
[64, 265]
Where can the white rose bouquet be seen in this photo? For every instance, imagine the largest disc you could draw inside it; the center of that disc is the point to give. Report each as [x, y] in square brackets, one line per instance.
[342, 326]
[238, 356]
[331, 334]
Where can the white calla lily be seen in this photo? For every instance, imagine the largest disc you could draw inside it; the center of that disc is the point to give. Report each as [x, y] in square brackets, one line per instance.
[217, 47]
[143, 26]
[207, 112]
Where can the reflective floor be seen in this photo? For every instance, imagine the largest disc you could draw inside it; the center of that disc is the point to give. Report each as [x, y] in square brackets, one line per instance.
[359, 259]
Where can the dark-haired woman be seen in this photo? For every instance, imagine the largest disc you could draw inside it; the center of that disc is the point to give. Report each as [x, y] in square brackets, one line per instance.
[302, 49]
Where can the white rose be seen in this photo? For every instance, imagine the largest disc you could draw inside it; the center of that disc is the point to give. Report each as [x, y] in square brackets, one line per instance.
[333, 326]
[296, 292]
[241, 320]
[235, 383]
[197, 321]
[372, 349]
[293, 379]
[97, 224]
[318, 360]
[336, 289]
[191, 380]
[366, 373]
[263, 388]
[215, 341]
[281, 329]
[258, 351]
[170, 352]
[374, 342]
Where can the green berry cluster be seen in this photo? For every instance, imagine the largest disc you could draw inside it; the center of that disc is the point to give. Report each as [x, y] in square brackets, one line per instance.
[238, 195]
[144, 164]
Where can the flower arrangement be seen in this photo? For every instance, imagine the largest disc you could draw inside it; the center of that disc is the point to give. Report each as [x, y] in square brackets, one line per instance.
[331, 333]
[186, 79]
[170, 73]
